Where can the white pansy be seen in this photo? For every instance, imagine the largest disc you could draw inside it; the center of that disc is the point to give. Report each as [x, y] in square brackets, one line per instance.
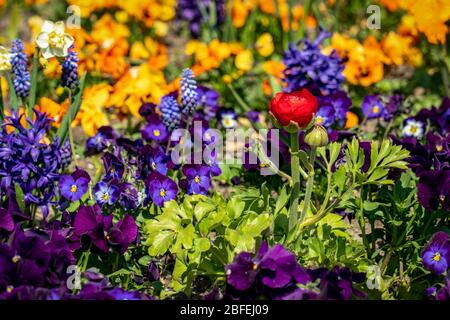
[413, 128]
[5, 59]
[53, 40]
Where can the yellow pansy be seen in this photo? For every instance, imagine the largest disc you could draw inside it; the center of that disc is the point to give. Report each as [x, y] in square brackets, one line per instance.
[264, 45]
[244, 60]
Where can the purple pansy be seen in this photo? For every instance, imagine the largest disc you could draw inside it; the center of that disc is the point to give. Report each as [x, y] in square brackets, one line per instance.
[433, 189]
[160, 188]
[101, 230]
[74, 186]
[372, 106]
[155, 130]
[114, 166]
[197, 179]
[6, 220]
[436, 255]
[106, 193]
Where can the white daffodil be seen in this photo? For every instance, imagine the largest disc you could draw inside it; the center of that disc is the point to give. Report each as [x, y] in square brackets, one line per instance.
[413, 128]
[5, 59]
[53, 40]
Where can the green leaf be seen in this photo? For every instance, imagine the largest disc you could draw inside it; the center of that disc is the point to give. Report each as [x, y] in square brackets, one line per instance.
[160, 243]
[282, 200]
[19, 197]
[202, 244]
[74, 107]
[202, 209]
[34, 74]
[13, 100]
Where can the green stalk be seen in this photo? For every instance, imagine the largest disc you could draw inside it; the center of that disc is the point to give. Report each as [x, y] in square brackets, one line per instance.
[13, 100]
[241, 102]
[295, 174]
[72, 144]
[306, 9]
[2, 106]
[32, 95]
[309, 184]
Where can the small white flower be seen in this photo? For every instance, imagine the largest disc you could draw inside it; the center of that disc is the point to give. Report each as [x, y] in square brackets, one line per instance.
[413, 128]
[228, 121]
[53, 40]
[5, 59]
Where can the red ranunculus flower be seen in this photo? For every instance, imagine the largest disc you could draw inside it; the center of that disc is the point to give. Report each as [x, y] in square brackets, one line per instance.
[298, 107]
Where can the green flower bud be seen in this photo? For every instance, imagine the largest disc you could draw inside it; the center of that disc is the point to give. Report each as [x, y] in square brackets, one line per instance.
[317, 136]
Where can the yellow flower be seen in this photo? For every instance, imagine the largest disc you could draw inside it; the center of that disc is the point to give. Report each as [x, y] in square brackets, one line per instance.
[352, 120]
[5, 59]
[161, 28]
[91, 115]
[53, 109]
[264, 45]
[53, 40]
[399, 50]
[244, 60]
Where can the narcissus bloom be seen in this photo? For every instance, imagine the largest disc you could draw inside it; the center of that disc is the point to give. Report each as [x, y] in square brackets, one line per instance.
[53, 40]
[5, 59]
[298, 107]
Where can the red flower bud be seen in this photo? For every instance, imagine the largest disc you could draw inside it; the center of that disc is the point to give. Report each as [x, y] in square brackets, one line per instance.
[298, 107]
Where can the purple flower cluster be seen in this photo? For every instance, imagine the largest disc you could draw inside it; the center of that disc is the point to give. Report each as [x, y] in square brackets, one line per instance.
[333, 109]
[275, 273]
[19, 67]
[189, 95]
[309, 68]
[102, 232]
[36, 259]
[69, 76]
[431, 160]
[27, 162]
[191, 12]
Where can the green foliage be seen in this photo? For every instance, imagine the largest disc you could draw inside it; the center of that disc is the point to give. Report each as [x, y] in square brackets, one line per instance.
[203, 233]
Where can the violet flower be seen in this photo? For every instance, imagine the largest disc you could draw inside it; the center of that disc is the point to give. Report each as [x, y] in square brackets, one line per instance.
[74, 186]
[160, 188]
[436, 255]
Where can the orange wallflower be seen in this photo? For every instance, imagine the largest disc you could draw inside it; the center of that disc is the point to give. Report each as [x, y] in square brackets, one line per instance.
[54, 110]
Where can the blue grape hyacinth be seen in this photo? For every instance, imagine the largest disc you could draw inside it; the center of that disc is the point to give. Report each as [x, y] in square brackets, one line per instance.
[69, 75]
[170, 112]
[19, 68]
[189, 95]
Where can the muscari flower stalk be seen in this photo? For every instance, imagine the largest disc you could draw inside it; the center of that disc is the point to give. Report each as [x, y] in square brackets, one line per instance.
[170, 113]
[19, 67]
[189, 95]
[69, 75]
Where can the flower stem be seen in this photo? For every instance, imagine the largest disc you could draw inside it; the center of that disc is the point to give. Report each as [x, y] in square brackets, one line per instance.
[309, 184]
[72, 145]
[295, 174]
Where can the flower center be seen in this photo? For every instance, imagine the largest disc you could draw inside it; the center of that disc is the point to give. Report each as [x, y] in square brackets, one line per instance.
[73, 188]
[376, 109]
[55, 39]
[319, 120]
[413, 129]
[156, 133]
[437, 257]
[9, 289]
[16, 258]
[106, 196]
[162, 192]
[439, 148]
[255, 266]
[197, 179]
[153, 165]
